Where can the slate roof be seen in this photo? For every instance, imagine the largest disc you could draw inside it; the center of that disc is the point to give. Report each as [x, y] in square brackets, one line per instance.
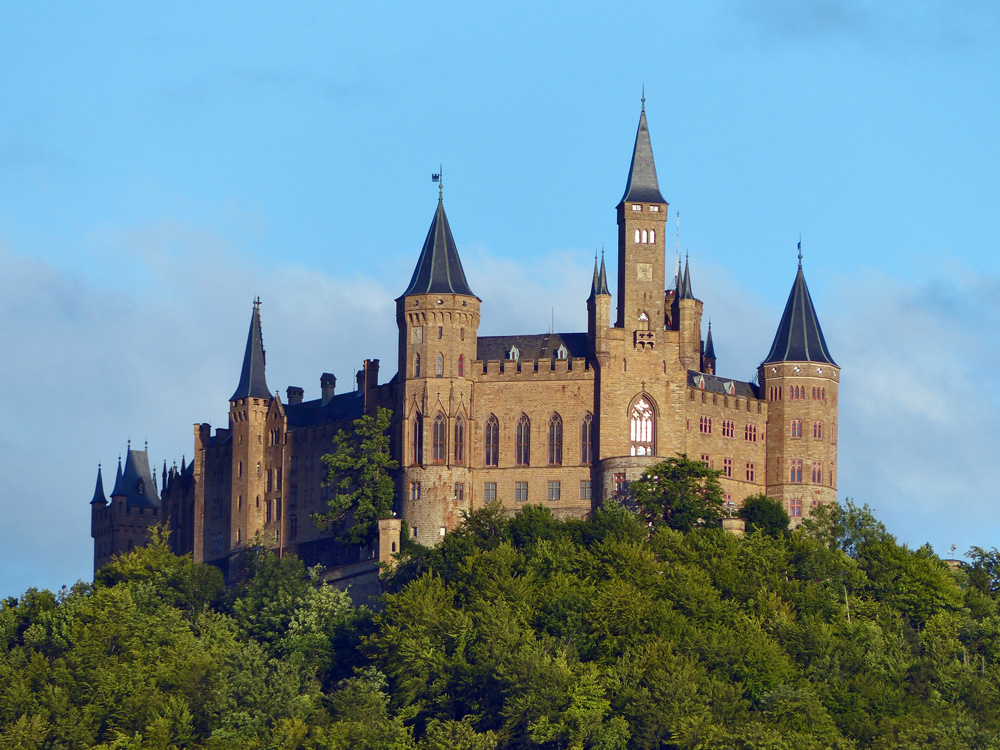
[136, 482]
[439, 269]
[726, 386]
[252, 381]
[99, 498]
[343, 406]
[684, 289]
[642, 186]
[709, 346]
[799, 337]
[536, 346]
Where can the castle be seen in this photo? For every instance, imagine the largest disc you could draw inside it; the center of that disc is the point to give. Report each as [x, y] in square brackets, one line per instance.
[561, 419]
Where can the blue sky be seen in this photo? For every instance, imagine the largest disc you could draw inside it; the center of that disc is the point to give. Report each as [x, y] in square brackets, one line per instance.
[163, 164]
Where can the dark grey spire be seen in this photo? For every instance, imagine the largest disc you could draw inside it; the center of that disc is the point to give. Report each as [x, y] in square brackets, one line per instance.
[709, 346]
[119, 488]
[439, 269]
[597, 280]
[602, 281]
[684, 287]
[642, 186]
[799, 337]
[252, 382]
[137, 483]
[99, 498]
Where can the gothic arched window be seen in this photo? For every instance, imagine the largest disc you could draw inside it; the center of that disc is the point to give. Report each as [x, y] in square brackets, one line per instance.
[439, 439]
[555, 440]
[417, 454]
[652, 235]
[587, 440]
[461, 365]
[439, 367]
[642, 424]
[522, 445]
[492, 441]
[460, 440]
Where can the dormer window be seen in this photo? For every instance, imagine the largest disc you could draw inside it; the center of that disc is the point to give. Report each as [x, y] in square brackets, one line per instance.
[140, 487]
[513, 353]
[562, 352]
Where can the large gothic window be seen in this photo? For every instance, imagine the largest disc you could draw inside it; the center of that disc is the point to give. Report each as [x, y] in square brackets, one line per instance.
[587, 440]
[460, 440]
[555, 440]
[522, 445]
[417, 430]
[492, 441]
[440, 439]
[642, 428]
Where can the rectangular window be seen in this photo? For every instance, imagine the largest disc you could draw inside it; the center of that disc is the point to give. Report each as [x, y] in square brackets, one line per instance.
[795, 507]
[817, 430]
[728, 428]
[440, 332]
[654, 209]
[270, 510]
[555, 490]
[795, 475]
[796, 428]
[293, 496]
[586, 489]
[636, 207]
[217, 542]
[270, 480]
[521, 492]
[705, 425]
[751, 472]
[217, 508]
[727, 467]
[620, 484]
[489, 492]
[414, 490]
[293, 526]
[704, 458]
[459, 492]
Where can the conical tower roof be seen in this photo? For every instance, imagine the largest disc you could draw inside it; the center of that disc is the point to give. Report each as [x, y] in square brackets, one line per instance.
[799, 337]
[642, 186]
[709, 346]
[119, 488]
[602, 279]
[99, 498]
[684, 287]
[252, 381]
[596, 282]
[439, 269]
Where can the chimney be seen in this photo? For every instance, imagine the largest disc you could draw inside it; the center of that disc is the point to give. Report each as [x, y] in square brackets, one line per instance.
[294, 394]
[328, 385]
[371, 374]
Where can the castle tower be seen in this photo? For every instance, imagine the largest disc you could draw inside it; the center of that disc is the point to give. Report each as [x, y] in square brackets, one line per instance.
[642, 214]
[708, 356]
[438, 321]
[687, 318]
[248, 411]
[598, 307]
[135, 506]
[800, 381]
[100, 529]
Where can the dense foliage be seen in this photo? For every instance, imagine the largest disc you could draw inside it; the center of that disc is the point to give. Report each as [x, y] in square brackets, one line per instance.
[520, 632]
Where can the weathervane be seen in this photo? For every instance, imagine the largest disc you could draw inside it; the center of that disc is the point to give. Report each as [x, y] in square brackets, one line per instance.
[438, 177]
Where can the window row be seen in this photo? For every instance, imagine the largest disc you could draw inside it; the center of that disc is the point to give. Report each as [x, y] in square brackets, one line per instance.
[796, 429]
[728, 429]
[645, 237]
[439, 366]
[795, 392]
[522, 441]
[553, 494]
[795, 472]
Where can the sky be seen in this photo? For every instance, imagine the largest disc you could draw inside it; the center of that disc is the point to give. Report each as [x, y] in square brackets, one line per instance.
[162, 164]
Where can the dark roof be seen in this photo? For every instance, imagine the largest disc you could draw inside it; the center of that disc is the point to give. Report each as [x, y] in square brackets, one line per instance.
[439, 269]
[596, 282]
[709, 346]
[726, 386]
[799, 337]
[252, 381]
[99, 498]
[602, 282]
[642, 186]
[684, 290]
[535, 347]
[136, 483]
[118, 489]
[343, 406]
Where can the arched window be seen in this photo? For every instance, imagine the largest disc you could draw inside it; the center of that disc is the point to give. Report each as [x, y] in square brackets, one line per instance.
[796, 428]
[555, 440]
[643, 321]
[439, 439]
[492, 441]
[513, 353]
[416, 365]
[637, 236]
[439, 367]
[417, 454]
[460, 440]
[587, 440]
[652, 235]
[461, 365]
[642, 428]
[562, 352]
[645, 237]
[522, 445]
[817, 430]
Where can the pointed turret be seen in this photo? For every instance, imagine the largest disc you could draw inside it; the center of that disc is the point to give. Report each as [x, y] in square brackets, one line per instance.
[602, 280]
[252, 381]
[708, 358]
[642, 186]
[684, 288]
[99, 498]
[799, 337]
[595, 284]
[439, 269]
[119, 488]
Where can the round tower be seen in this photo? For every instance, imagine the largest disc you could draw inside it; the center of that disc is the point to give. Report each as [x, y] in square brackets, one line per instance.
[800, 382]
[438, 321]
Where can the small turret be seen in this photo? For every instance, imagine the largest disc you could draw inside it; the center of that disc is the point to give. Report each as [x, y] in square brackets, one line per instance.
[99, 498]
[687, 319]
[708, 358]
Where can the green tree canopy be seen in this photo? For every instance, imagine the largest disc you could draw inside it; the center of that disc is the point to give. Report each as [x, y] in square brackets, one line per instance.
[764, 513]
[680, 493]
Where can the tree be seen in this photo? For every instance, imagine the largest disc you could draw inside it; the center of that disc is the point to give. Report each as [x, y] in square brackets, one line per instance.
[680, 493]
[359, 468]
[764, 513]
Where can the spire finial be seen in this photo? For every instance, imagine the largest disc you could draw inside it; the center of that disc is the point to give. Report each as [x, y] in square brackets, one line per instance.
[800, 249]
[256, 302]
[129, 444]
[643, 97]
[145, 446]
[438, 177]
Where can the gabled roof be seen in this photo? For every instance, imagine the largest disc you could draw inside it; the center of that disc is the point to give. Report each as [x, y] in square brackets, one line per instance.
[799, 337]
[99, 498]
[136, 483]
[642, 186]
[533, 346]
[439, 269]
[726, 386]
[252, 381]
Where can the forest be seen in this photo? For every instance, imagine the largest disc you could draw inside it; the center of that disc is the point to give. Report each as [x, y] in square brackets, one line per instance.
[614, 631]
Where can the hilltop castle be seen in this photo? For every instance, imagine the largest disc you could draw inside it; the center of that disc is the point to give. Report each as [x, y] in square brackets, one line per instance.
[562, 419]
